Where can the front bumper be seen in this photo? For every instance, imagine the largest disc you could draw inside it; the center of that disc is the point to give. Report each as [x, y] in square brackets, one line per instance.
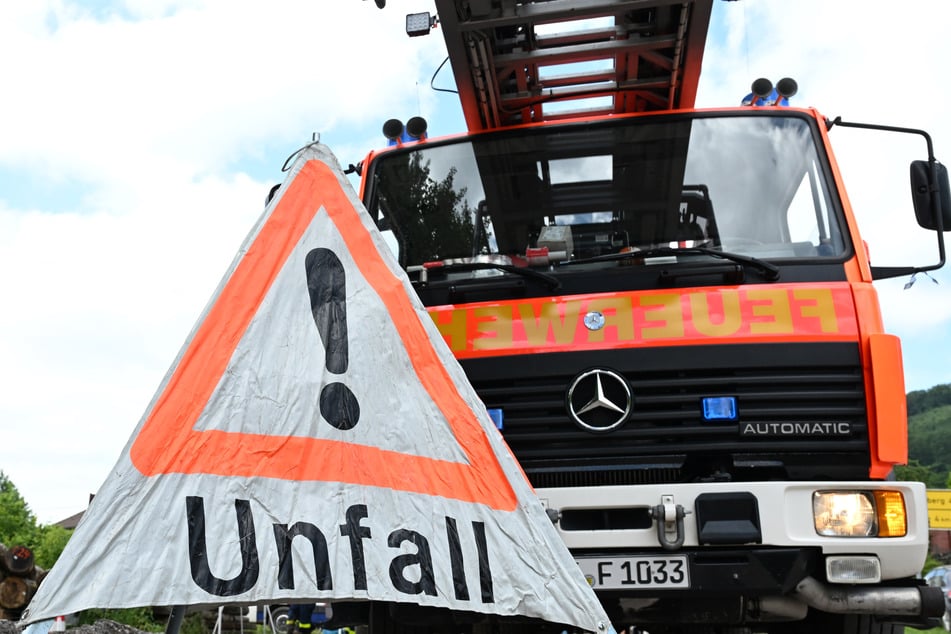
[760, 556]
[783, 518]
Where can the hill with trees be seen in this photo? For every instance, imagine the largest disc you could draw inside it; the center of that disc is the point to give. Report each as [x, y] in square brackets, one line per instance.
[929, 437]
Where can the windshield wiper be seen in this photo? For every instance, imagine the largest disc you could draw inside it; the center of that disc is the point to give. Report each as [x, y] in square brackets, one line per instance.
[769, 271]
[552, 282]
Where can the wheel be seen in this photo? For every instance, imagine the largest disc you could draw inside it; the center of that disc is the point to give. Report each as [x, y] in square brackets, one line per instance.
[279, 619]
[946, 621]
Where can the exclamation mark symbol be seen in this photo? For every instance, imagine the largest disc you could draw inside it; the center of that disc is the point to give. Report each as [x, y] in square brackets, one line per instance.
[326, 283]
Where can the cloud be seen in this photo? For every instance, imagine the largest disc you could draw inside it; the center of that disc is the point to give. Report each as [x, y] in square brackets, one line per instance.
[197, 86]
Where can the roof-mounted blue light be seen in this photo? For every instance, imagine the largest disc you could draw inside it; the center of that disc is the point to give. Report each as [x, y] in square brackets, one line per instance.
[763, 93]
[397, 134]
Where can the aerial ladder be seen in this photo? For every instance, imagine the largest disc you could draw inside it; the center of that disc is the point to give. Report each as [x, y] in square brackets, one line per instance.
[526, 61]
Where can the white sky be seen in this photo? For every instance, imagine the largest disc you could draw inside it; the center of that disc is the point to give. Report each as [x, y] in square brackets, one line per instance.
[138, 139]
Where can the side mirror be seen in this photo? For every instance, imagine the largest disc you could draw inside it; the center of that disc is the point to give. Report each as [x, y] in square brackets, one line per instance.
[929, 209]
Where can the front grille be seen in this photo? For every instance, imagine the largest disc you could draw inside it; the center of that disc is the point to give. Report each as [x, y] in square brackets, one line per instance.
[665, 438]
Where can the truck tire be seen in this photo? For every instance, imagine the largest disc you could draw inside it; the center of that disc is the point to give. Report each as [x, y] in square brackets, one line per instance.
[279, 617]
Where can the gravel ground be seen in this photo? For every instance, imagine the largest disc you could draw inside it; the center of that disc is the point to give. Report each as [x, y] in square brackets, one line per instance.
[102, 626]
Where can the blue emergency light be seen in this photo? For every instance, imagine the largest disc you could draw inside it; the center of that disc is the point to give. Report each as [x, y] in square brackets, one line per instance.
[719, 408]
[765, 94]
[397, 134]
[495, 414]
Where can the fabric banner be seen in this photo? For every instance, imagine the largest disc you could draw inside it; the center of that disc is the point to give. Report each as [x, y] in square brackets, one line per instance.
[316, 439]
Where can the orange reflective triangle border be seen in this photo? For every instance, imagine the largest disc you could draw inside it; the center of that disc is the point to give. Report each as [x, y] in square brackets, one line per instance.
[170, 442]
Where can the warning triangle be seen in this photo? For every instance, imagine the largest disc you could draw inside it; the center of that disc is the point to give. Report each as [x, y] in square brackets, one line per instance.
[267, 305]
[316, 439]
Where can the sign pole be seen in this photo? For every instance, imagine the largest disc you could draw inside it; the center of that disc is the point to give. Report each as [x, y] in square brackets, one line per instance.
[175, 619]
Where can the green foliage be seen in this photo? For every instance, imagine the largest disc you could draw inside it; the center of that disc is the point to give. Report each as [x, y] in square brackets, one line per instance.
[914, 471]
[18, 527]
[145, 619]
[922, 400]
[931, 562]
[929, 438]
[139, 618]
[17, 522]
[194, 624]
[50, 542]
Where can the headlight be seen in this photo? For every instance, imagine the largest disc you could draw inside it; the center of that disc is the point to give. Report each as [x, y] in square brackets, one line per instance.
[843, 514]
[859, 513]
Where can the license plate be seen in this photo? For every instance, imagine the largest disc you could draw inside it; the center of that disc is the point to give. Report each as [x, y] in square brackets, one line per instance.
[628, 573]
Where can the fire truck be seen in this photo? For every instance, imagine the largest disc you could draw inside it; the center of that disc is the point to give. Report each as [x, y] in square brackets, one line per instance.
[669, 313]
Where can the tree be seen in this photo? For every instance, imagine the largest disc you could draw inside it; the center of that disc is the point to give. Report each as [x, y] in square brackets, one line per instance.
[923, 400]
[914, 471]
[17, 522]
[929, 440]
[431, 219]
[49, 545]
[18, 527]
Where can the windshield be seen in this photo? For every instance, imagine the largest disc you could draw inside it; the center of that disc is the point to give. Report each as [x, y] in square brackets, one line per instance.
[750, 185]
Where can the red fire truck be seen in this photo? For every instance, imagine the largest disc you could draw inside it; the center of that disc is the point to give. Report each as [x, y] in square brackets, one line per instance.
[669, 312]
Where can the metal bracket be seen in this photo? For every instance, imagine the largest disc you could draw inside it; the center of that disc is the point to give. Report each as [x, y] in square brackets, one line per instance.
[670, 522]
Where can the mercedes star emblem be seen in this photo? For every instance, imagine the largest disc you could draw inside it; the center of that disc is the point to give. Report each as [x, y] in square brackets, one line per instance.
[594, 320]
[599, 400]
